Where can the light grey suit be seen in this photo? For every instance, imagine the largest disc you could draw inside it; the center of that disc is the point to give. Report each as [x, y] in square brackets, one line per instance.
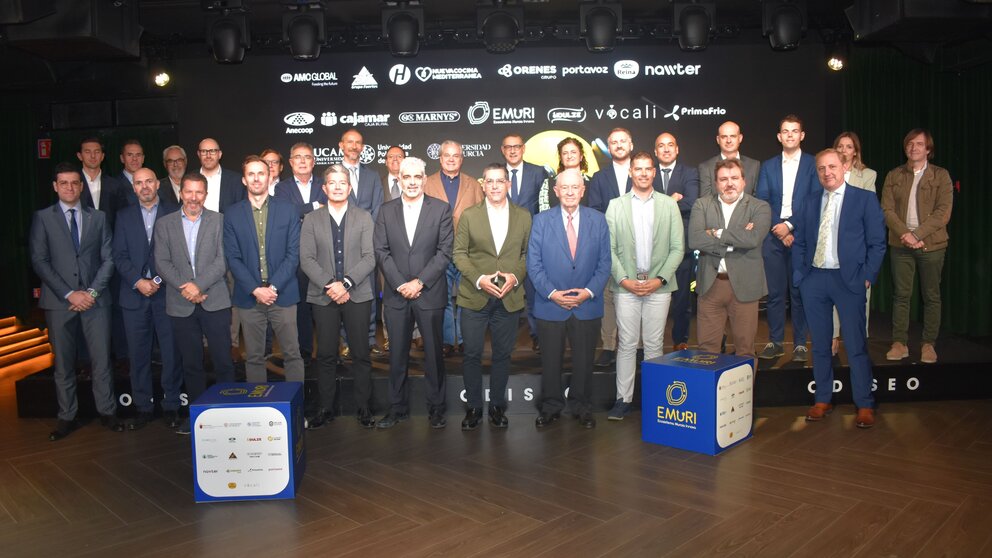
[316, 254]
[172, 261]
[62, 271]
[707, 170]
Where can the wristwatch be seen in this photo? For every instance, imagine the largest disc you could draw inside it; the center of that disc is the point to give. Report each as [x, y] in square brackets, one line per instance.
[93, 293]
[157, 280]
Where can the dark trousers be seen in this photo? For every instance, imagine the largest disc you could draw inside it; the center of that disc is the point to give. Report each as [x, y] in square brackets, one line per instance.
[400, 322]
[778, 273]
[582, 336]
[328, 320]
[682, 299]
[189, 332]
[143, 326]
[304, 318]
[65, 328]
[503, 326]
[529, 294]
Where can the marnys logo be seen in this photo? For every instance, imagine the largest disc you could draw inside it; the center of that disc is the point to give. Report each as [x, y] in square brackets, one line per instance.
[364, 80]
[480, 112]
[626, 69]
[429, 117]
[316, 79]
[584, 70]
[297, 121]
[678, 112]
[354, 119]
[545, 72]
[563, 114]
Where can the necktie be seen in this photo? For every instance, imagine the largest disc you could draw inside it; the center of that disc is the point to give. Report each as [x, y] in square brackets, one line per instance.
[74, 229]
[665, 175]
[395, 191]
[573, 239]
[353, 174]
[513, 184]
[823, 235]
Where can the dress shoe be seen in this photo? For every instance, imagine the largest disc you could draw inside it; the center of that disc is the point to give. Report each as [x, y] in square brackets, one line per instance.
[606, 359]
[236, 354]
[586, 420]
[818, 411]
[140, 421]
[800, 354]
[391, 419]
[171, 419]
[680, 347]
[385, 346]
[344, 352]
[184, 427]
[473, 417]
[375, 351]
[535, 345]
[927, 354]
[771, 351]
[460, 349]
[447, 350]
[497, 417]
[112, 423]
[546, 419]
[365, 418]
[898, 351]
[418, 343]
[866, 418]
[438, 420]
[63, 428]
[619, 410]
[319, 419]
[835, 346]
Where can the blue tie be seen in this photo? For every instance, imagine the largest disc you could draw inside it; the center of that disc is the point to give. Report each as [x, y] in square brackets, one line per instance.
[74, 229]
[513, 185]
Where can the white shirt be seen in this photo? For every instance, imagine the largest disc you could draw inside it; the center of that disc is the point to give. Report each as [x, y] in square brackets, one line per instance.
[830, 258]
[499, 223]
[642, 216]
[509, 178]
[176, 187]
[622, 172]
[728, 212]
[337, 215]
[671, 171]
[912, 217]
[305, 189]
[213, 190]
[411, 216]
[790, 169]
[94, 186]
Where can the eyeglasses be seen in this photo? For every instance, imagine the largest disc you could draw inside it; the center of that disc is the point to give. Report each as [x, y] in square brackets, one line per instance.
[174, 161]
[513, 147]
[491, 181]
[208, 151]
[301, 158]
[272, 163]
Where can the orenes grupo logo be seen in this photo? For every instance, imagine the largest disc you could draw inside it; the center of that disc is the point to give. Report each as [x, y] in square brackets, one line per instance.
[506, 70]
[676, 393]
[626, 69]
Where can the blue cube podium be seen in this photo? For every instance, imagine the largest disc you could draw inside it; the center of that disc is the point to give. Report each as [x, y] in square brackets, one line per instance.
[247, 441]
[697, 401]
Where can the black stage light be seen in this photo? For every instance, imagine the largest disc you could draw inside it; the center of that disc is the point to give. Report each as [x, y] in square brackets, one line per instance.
[783, 22]
[228, 38]
[303, 29]
[500, 26]
[403, 27]
[600, 22]
[694, 23]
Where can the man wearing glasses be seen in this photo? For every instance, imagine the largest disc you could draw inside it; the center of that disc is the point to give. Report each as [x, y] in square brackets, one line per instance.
[224, 186]
[273, 159]
[174, 159]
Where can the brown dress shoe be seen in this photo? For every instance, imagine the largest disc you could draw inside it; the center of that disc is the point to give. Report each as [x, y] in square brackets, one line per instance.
[927, 354]
[835, 346]
[897, 352]
[866, 418]
[818, 411]
[680, 347]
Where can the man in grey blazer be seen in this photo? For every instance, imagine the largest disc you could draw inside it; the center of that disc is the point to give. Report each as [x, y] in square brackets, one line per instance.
[336, 256]
[189, 256]
[728, 230]
[71, 253]
[729, 137]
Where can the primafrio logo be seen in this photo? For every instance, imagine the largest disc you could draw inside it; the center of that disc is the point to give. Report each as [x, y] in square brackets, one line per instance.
[542, 71]
[565, 114]
[399, 74]
[316, 79]
[429, 117]
[626, 69]
[679, 111]
[299, 122]
[364, 80]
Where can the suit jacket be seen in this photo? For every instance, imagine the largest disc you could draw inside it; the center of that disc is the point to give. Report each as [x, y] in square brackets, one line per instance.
[232, 189]
[287, 190]
[166, 193]
[56, 262]
[603, 187]
[282, 251]
[469, 193]
[387, 184]
[744, 263]
[427, 258]
[685, 181]
[550, 265]
[770, 186]
[115, 193]
[317, 250]
[529, 180]
[475, 255]
[134, 254]
[934, 199]
[707, 176]
[369, 190]
[860, 239]
[172, 259]
[864, 179]
[667, 247]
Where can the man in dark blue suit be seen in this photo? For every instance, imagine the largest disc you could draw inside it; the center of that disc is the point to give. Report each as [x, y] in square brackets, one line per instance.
[838, 250]
[681, 182]
[224, 187]
[568, 259]
[785, 182]
[100, 191]
[262, 248]
[142, 301]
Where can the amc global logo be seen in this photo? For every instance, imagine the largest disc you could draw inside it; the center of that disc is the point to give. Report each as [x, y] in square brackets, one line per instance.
[565, 114]
[316, 79]
[626, 69]
[429, 117]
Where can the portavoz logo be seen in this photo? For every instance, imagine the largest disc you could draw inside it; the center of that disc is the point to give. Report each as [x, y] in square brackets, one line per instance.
[565, 114]
[364, 80]
[584, 70]
[354, 119]
[480, 112]
[299, 122]
[626, 69]
[315, 79]
[542, 71]
[429, 117]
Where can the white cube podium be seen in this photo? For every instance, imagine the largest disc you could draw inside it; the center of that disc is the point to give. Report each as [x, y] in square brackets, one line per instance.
[697, 401]
[247, 441]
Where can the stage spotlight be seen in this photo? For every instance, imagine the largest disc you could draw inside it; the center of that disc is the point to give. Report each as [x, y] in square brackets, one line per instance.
[694, 23]
[835, 63]
[303, 30]
[600, 22]
[403, 27]
[500, 26]
[228, 37]
[161, 78]
[783, 22]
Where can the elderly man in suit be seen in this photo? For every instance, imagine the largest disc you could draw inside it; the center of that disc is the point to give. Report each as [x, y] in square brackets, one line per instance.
[785, 182]
[568, 260]
[839, 247]
[70, 249]
[337, 257]
[142, 300]
[174, 160]
[262, 248]
[491, 254]
[646, 239]
[729, 137]
[728, 229]
[681, 183]
[460, 191]
[189, 256]
[412, 241]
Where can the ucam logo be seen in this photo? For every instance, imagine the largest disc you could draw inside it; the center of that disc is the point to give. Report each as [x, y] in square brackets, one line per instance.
[399, 74]
[563, 114]
[626, 69]
[364, 80]
[543, 71]
[297, 121]
[429, 117]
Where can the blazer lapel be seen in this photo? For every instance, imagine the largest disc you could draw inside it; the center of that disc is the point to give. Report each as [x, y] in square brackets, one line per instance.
[425, 210]
[484, 222]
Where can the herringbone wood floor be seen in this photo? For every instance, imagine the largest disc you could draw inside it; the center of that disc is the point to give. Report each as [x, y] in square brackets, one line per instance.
[919, 484]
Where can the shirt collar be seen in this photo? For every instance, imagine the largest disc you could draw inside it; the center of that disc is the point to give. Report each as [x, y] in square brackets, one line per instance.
[671, 167]
[793, 159]
[65, 207]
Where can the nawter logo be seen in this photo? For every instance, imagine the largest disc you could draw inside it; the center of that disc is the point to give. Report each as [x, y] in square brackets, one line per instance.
[664, 70]
[626, 69]
[400, 74]
[565, 114]
[364, 80]
[544, 72]
[429, 117]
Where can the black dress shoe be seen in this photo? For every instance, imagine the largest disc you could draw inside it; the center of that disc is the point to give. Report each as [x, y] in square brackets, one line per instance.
[112, 423]
[606, 359]
[438, 419]
[546, 419]
[63, 428]
[447, 350]
[184, 427]
[365, 418]
[391, 419]
[497, 417]
[461, 348]
[586, 420]
[171, 419]
[472, 419]
[319, 419]
[535, 345]
[140, 421]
